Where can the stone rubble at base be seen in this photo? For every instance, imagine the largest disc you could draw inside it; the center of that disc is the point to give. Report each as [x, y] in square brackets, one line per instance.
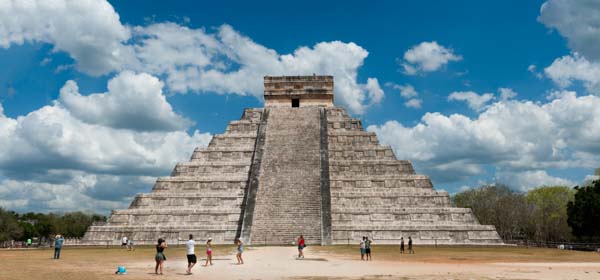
[280, 171]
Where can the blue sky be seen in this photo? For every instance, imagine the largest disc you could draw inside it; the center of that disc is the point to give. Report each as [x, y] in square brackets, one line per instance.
[99, 98]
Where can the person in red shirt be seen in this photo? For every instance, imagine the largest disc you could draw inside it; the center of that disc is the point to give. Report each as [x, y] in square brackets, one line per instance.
[301, 245]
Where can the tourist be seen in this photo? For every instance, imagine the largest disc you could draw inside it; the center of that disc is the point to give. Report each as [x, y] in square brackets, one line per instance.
[191, 255]
[362, 249]
[160, 255]
[28, 242]
[208, 252]
[130, 245]
[124, 242]
[301, 245]
[368, 248]
[401, 245]
[240, 250]
[410, 248]
[58, 243]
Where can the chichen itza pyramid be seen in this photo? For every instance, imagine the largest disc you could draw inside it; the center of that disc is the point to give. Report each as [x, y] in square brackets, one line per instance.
[299, 165]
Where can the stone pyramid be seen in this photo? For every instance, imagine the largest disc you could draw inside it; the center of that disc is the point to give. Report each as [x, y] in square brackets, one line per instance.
[298, 166]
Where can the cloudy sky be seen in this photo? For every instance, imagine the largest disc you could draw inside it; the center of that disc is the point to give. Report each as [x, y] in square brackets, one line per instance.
[99, 98]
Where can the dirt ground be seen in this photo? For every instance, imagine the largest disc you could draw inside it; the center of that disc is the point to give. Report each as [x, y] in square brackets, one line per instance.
[321, 262]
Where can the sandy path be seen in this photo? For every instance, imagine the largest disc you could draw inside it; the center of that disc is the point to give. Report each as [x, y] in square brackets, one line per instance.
[280, 263]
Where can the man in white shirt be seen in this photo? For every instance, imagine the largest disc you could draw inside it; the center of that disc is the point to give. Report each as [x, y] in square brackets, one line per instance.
[191, 256]
[124, 241]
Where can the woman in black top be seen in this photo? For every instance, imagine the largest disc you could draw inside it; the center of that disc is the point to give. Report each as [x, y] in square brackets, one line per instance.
[160, 255]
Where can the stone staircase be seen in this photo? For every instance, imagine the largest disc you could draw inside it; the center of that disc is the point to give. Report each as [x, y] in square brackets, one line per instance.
[288, 199]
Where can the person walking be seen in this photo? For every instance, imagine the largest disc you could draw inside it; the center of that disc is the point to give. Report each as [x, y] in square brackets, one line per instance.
[410, 246]
[160, 255]
[191, 255]
[240, 250]
[301, 245]
[58, 243]
[401, 245]
[208, 252]
[362, 249]
[368, 248]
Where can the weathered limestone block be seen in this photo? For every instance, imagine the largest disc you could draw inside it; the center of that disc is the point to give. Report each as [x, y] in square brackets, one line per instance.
[222, 155]
[242, 127]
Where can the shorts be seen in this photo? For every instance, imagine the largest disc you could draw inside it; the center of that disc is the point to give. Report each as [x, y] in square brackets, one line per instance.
[209, 252]
[192, 258]
[368, 250]
[301, 247]
[363, 251]
[160, 257]
[124, 244]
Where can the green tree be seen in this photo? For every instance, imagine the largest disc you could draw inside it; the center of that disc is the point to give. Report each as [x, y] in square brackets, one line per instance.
[74, 224]
[548, 216]
[498, 206]
[28, 230]
[584, 212]
[9, 226]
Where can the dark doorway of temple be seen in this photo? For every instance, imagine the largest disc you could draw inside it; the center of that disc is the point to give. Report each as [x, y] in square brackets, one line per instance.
[295, 102]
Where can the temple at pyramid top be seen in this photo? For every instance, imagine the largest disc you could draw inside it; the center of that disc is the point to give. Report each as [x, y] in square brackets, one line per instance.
[298, 91]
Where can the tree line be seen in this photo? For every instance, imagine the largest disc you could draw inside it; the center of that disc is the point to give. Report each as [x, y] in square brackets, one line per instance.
[20, 227]
[544, 214]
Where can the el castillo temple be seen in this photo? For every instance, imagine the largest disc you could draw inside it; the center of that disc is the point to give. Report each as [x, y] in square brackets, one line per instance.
[300, 165]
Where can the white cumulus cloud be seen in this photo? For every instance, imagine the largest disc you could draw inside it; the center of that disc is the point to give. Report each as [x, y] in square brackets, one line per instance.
[511, 135]
[532, 68]
[79, 191]
[475, 101]
[576, 20]
[506, 93]
[409, 93]
[68, 158]
[413, 103]
[374, 91]
[406, 91]
[225, 62]
[89, 30]
[115, 108]
[567, 69]
[427, 57]
[530, 179]
[238, 65]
